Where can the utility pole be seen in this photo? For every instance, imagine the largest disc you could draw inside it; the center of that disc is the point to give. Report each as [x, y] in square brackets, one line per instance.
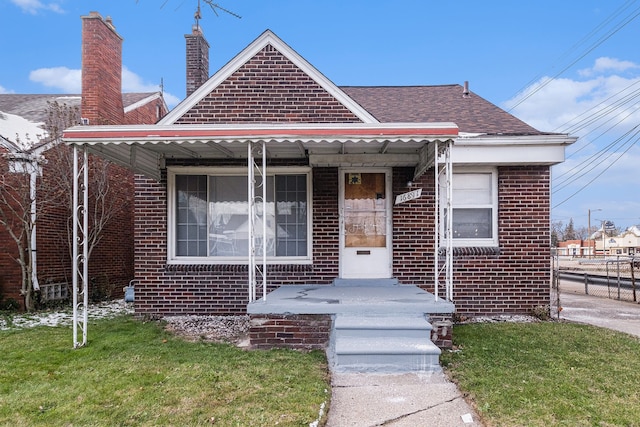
[589, 231]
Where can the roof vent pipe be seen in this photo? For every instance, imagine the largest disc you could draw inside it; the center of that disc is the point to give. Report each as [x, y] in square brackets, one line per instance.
[465, 91]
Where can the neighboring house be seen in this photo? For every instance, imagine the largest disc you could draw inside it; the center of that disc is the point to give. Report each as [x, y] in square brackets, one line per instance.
[576, 248]
[626, 243]
[335, 160]
[101, 102]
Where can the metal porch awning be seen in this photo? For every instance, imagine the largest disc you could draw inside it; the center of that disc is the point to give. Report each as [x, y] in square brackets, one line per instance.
[145, 149]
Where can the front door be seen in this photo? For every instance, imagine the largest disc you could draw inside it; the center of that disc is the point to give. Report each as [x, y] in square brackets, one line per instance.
[365, 223]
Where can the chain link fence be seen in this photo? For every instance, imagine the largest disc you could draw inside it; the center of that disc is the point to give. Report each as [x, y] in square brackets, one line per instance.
[616, 277]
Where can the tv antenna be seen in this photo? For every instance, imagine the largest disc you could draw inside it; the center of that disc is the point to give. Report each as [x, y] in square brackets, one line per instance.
[215, 7]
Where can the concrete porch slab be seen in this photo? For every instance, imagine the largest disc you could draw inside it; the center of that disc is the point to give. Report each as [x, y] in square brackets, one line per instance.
[372, 300]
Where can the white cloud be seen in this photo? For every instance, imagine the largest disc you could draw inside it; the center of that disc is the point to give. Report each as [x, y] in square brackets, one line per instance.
[605, 64]
[35, 6]
[599, 106]
[171, 100]
[3, 90]
[131, 82]
[559, 104]
[68, 80]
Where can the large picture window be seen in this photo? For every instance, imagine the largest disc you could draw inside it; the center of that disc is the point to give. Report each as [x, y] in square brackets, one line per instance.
[209, 216]
[475, 208]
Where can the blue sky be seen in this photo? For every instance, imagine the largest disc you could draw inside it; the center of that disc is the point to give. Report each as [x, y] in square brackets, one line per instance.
[561, 66]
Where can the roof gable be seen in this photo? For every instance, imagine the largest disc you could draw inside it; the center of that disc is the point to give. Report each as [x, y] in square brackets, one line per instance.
[268, 82]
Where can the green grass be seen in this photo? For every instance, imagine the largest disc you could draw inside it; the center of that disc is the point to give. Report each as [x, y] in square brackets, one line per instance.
[133, 373]
[547, 374]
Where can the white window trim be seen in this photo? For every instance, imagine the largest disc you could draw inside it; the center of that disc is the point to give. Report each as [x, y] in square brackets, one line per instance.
[172, 171]
[484, 242]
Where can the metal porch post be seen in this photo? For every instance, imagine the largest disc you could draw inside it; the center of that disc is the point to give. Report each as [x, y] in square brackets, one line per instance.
[257, 271]
[443, 220]
[449, 221]
[80, 246]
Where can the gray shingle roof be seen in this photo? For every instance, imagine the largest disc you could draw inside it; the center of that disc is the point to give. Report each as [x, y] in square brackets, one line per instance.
[33, 107]
[443, 103]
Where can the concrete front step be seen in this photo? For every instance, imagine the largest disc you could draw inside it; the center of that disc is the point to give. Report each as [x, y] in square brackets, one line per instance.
[365, 282]
[398, 326]
[382, 344]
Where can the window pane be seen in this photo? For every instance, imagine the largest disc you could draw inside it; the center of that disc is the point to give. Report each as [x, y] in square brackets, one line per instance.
[472, 223]
[472, 189]
[212, 216]
[191, 221]
[228, 215]
[291, 215]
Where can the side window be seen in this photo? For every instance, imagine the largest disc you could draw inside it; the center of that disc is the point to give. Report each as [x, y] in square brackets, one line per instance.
[475, 208]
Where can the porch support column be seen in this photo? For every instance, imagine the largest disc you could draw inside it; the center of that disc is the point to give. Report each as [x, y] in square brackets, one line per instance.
[80, 245]
[257, 230]
[443, 256]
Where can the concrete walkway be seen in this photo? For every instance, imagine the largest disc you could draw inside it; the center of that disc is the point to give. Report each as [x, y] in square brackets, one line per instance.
[398, 400]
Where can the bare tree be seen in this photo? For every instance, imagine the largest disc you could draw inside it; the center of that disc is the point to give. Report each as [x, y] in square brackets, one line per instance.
[102, 206]
[19, 211]
[20, 187]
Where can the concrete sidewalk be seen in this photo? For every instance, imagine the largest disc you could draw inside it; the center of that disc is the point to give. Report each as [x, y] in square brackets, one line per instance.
[399, 400]
[621, 316]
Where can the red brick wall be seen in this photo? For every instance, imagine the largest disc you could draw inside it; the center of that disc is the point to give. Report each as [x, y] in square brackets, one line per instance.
[163, 289]
[301, 332]
[513, 279]
[101, 71]
[282, 94]
[414, 230]
[148, 113]
[518, 279]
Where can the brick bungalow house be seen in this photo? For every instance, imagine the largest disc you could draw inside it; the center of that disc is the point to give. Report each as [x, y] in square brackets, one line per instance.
[101, 102]
[360, 184]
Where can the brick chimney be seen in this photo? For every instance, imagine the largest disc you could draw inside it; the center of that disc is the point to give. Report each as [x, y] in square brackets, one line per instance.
[101, 71]
[197, 59]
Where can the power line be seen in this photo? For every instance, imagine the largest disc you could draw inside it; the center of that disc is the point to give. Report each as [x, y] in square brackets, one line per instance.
[599, 174]
[598, 42]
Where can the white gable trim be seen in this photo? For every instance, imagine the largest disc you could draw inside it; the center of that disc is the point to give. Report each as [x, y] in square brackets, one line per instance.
[267, 38]
[145, 101]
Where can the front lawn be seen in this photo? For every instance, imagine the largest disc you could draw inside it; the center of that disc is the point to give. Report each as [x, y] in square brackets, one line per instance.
[134, 373]
[547, 374]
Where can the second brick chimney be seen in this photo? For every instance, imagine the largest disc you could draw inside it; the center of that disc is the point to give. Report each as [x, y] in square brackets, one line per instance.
[197, 59]
[101, 71]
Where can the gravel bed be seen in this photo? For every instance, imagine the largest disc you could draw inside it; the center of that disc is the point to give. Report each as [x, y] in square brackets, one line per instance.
[231, 329]
[498, 318]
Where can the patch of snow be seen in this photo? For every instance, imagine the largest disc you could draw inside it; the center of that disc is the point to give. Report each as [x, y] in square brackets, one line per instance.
[21, 131]
[65, 317]
[316, 423]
